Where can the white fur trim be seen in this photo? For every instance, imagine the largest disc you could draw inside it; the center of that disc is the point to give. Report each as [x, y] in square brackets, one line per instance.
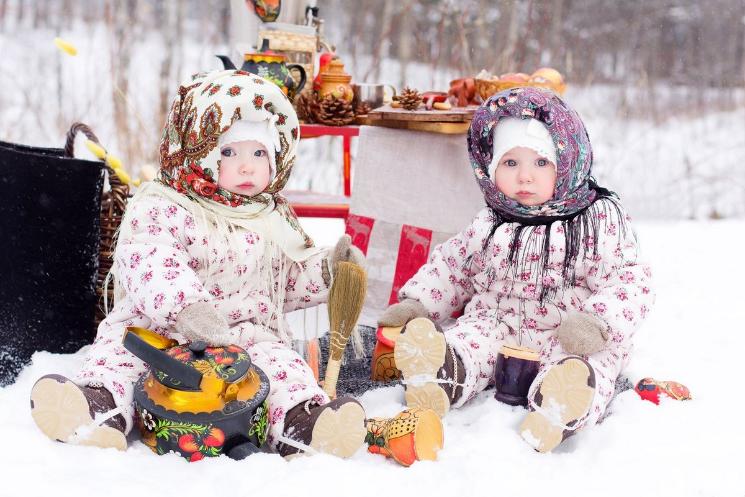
[514, 132]
[264, 132]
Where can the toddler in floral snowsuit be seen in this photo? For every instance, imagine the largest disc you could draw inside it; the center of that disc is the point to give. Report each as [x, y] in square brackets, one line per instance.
[551, 263]
[211, 251]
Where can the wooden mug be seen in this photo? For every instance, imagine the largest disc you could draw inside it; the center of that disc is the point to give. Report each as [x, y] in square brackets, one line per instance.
[515, 371]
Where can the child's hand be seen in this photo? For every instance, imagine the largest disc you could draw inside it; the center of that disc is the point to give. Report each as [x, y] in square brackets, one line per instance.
[582, 334]
[403, 312]
[346, 252]
[200, 321]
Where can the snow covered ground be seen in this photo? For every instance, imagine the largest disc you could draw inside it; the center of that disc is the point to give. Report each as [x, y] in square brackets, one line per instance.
[694, 336]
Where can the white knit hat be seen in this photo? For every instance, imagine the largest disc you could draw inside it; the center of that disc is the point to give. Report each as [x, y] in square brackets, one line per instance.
[514, 132]
[264, 132]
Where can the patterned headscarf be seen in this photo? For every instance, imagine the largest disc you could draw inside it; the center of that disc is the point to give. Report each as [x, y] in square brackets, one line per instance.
[204, 108]
[574, 202]
[573, 191]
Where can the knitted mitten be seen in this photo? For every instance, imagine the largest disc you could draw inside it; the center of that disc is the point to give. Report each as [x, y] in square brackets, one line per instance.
[582, 334]
[344, 251]
[401, 313]
[200, 321]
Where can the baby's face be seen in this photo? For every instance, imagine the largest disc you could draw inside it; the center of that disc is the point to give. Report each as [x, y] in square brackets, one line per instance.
[244, 168]
[525, 176]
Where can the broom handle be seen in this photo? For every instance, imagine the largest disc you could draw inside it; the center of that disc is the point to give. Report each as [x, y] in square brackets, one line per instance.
[332, 377]
[312, 356]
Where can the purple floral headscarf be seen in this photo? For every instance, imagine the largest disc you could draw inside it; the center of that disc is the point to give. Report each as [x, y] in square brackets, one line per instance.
[573, 191]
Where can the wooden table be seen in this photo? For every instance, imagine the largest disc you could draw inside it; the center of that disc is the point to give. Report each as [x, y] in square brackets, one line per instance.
[450, 122]
[309, 204]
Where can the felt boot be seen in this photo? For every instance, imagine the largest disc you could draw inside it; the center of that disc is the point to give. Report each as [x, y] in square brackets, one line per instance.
[432, 372]
[69, 413]
[563, 398]
[336, 428]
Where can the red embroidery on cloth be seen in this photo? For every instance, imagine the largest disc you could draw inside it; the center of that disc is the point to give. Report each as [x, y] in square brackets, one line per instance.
[413, 250]
[359, 228]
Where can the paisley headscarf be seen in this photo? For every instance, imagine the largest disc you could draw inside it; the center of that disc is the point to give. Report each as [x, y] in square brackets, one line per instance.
[204, 108]
[573, 190]
[575, 199]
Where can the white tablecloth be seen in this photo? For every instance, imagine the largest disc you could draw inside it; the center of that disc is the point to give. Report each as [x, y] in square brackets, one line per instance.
[415, 186]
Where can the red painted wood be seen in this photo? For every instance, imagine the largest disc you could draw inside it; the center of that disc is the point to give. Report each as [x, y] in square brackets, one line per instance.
[359, 228]
[346, 132]
[413, 250]
[340, 211]
[316, 130]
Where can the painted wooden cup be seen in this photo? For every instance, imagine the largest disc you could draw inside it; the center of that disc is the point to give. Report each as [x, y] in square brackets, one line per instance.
[383, 366]
[412, 435]
[515, 370]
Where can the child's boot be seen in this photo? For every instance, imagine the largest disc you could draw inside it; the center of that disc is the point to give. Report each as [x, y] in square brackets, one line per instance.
[433, 374]
[69, 413]
[336, 428]
[563, 398]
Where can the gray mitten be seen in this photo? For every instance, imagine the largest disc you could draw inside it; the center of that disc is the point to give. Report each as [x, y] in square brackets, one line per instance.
[582, 334]
[200, 321]
[344, 251]
[403, 312]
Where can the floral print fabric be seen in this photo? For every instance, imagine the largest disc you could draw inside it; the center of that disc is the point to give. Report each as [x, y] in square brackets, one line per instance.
[502, 305]
[165, 265]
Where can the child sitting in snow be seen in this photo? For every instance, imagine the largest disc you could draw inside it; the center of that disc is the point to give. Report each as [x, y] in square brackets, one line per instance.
[551, 264]
[211, 251]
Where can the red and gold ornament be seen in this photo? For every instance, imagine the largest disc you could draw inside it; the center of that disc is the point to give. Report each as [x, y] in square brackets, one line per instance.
[650, 389]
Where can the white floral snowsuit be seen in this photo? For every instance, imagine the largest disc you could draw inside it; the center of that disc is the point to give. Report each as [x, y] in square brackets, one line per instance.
[163, 268]
[501, 307]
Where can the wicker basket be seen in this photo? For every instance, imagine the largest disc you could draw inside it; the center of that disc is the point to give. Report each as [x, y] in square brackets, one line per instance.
[488, 87]
[113, 204]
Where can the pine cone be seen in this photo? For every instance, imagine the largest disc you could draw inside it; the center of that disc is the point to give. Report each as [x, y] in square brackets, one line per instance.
[362, 109]
[334, 112]
[306, 107]
[410, 99]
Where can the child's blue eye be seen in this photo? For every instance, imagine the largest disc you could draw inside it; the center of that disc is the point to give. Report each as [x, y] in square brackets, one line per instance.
[542, 162]
[227, 152]
[260, 153]
[510, 163]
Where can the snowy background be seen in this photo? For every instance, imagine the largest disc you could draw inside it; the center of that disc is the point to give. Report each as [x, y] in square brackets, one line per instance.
[693, 448]
[676, 154]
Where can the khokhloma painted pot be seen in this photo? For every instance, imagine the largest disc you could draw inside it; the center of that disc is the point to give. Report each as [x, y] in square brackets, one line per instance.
[198, 401]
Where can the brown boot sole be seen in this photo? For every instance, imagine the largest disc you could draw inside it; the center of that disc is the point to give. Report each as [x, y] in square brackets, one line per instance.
[60, 408]
[340, 432]
[564, 391]
[420, 350]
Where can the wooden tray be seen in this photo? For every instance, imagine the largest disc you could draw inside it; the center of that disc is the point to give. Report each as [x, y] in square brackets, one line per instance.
[455, 121]
[456, 114]
[445, 128]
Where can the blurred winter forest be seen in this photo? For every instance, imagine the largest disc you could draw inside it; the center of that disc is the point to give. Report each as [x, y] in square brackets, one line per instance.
[660, 83]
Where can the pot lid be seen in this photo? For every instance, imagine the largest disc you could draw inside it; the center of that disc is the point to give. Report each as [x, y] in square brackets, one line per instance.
[265, 54]
[228, 364]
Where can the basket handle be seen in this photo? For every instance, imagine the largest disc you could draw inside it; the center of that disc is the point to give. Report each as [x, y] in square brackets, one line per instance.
[69, 151]
[74, 129]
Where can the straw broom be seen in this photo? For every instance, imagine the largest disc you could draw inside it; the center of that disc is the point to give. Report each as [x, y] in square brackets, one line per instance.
[346, 297]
